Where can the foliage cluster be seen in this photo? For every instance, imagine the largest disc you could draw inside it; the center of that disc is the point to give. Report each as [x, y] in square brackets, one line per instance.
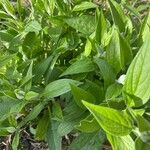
[76, 67]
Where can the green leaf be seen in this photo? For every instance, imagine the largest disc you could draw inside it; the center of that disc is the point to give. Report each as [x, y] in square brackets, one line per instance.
[58, 87]
[143, 124]
[137, 77]
[80, 66]
[27, 80]
[113, 121]
[101, 28]
[6, 107]
[121, 143]
[88, 48]
[72, 116]
[107, 72]
[84, 6]
[118, 52]
[88, 141]
[15, 142]
[145, 28]
[96, 90]
[53, 138]
[113, 91]
[88, 125]
[57, 111]
[42, 126]
[33, 26]
[80, 94]
[84, 24]
[118, 15]
[31, 95]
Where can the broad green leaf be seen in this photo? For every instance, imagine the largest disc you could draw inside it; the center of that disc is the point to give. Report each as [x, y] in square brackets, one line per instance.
[118, 15]
[58, 87]
[84, 5]
[96, 90]
[80, 66]
[57, 111]
[42, 126]
[80, 94]
[31, 95]
[88, 141]
[84, 24]
[118, 52]
[113, 91]
[33, 26]
[88, 125]
[41, 68]
[107, 72]
[53, 138]
[137, 76]
[72, 116]
[121, 143]
[6, 105]
[113, 121]
[143, 124]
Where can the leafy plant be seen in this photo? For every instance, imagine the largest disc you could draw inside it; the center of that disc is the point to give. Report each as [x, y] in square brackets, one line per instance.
[80, 68]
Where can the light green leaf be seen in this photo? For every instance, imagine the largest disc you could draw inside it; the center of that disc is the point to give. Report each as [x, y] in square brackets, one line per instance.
[84, 24]
[31, 95]
[80, 66]
[33, 26]
[58, 87]
[84, 5]
[121, 143]
[113, 121]
[138, 76]
[88, 48]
